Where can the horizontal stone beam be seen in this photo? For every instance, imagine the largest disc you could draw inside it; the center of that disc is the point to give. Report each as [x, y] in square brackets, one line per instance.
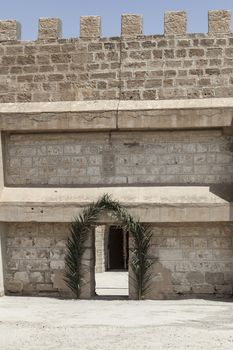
[115, 115]
[112, 105]
[150, 204]
[146, 213]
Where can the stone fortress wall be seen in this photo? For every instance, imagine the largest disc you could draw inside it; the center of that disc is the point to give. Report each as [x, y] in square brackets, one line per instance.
[176, 65]
[84, 116]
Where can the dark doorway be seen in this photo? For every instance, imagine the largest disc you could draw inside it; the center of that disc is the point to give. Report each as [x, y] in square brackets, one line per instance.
[117, 249]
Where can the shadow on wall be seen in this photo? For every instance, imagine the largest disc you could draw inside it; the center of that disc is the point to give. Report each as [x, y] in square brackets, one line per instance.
[223, 191]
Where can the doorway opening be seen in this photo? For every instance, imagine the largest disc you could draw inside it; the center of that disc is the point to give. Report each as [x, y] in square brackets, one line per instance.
[118, 249]
[111, 261]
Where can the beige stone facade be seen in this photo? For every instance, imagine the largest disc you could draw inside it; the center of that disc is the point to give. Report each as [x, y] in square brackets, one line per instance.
[189, 259]
[147, 119]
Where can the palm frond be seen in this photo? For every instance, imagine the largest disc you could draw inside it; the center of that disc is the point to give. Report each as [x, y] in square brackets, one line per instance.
[80, 229]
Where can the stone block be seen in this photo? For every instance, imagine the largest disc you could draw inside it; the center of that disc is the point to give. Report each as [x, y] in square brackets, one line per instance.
[42, 242]
[45, 287]
[228, 278]
[49, 28]
[131, 25]
[14, 286]
[36, 277]
[219, 21]
[223, 290]
[57, 264]
[200, 243]
[182, 289]
[214, 278]
[22, 276]
[10, 30]
[90, 27]
[220, 243]
[195, 277]
[87, 291]
[186, 242]
[175, 23]
[57, 278]
[170, 254]
[88, 254]
[203, 289]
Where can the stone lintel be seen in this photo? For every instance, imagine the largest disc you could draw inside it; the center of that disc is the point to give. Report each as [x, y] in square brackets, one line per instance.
[219, 21]
[113, 105]
[131, 25]
[150, 204]
[146, 213]
[90, 27]
[10, 30]
[49, 28]
[115, 115]
[175, 23]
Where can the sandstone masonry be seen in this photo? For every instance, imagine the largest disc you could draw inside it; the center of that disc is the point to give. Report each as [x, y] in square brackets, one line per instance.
[145, 118]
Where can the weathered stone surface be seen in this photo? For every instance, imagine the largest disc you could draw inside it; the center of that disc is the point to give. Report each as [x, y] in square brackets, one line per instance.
[100, 249]
[50, 28]
[214, 278]
[122, 81]
[131, 25]
[174, 272]
[2, 257]
[90, 27]
[149, 68]
[22, 276]
[195, 277]
[192, 157]
[175, 23]
[10, 30]
[219, 21]
[203, 289]
[150, 204]
[38, 268]
[14, 286]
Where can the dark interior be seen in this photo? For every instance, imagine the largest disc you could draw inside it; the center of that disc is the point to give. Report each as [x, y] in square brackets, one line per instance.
[116, 249]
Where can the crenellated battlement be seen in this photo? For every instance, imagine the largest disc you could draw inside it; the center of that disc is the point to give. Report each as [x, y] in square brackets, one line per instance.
[175, 23]
[133, 66]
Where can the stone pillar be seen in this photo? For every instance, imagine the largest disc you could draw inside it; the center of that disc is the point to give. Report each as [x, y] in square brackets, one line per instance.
[90, 27]
[131, 281]
[2, 226]
[10, 30]
[88, 265]
[1, 164]
[131, 25]
[219, 21]
[100, 249]
[175, 23]
[2, 257]
[49, 28]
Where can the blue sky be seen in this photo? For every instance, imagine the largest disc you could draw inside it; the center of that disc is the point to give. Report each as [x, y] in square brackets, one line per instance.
[28, 11]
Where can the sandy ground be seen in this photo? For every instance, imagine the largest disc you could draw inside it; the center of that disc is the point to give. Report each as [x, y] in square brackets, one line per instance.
[43, 323]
